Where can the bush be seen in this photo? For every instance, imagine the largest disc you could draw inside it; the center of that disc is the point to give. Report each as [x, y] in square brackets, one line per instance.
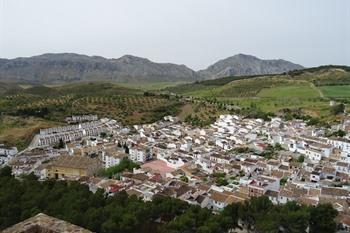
[338, 109]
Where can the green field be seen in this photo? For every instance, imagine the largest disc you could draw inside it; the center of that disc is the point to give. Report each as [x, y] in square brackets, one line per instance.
[336, 91]
[294, 91]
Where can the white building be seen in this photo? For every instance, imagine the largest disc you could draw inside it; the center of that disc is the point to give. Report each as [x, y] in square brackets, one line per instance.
[112, 158]
[140, 154]
[340, 143]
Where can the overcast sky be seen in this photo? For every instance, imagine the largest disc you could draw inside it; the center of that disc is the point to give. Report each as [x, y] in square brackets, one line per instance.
[191, 32]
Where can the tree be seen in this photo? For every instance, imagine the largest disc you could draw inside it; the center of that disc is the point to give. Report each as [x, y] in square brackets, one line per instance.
[322, 219]
[61, 144]
[184, 179]
[283, 181]
[73, 202]
[6, 171]
[339, 133]
[301, 158]
[126, 148]
[338, 109]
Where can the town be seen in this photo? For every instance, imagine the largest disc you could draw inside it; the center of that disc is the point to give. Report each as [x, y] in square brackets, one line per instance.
[232, 160]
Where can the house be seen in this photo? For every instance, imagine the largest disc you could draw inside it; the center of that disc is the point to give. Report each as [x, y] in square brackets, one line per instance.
[219, 200]
[342, 167]
[259, 185]
[140, 153]
[112, 157]
[218, 158]
[313, 154]
[7, 151]
[340, 143]
[286, 196]
[329, 173]
[345, 156]
[315, 176]
[71, 167]
[272, 195]
[248, 167]
[335, 192]
[272, 165]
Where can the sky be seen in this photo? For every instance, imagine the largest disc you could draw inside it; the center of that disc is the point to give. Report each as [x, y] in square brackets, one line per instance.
[196, 33]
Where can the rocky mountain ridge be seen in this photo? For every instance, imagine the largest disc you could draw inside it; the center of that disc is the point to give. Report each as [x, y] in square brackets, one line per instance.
[70, 67]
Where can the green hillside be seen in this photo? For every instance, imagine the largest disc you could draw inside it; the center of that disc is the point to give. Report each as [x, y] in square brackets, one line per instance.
[305, 91]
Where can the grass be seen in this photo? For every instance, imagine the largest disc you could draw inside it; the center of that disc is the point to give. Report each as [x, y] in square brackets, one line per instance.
[19, 131]
[293, 91]
[342, 91]
[315, 106]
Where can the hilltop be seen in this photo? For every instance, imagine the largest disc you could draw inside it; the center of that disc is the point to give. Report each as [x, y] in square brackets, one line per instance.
[69, 67]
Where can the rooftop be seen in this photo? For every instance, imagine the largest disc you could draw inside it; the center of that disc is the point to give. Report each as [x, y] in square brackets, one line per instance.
[74, 162]
[42, 223]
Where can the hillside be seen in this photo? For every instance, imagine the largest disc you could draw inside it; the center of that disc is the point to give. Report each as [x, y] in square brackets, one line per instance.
[250, 86]
[245, 65]
[25, 110]
[69, 67]
[308, 90]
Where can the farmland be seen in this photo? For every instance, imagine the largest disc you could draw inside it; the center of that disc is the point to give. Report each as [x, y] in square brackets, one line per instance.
[337, 91]
[292, 91]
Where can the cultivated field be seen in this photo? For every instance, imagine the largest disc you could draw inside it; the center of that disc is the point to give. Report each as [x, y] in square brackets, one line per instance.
[292, 91]
[342, 91]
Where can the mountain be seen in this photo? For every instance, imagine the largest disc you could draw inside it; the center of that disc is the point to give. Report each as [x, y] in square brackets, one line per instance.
[69, 67]
[245, 65]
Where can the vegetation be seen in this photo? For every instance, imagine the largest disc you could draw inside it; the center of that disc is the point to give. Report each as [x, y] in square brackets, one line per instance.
[337, 109]
[197, 121]
[220, 179]
[271, 151]
[338, 133]
[283, 181]
[301, 158]
[73, 202]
